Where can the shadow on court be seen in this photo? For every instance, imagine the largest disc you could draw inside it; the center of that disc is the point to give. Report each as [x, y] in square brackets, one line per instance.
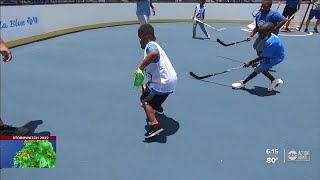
[169, 125]
[32, 126]
[220, 84]
[202, 38]
[260, 91]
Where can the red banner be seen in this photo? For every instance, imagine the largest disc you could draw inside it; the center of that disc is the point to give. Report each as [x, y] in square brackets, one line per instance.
[27, 137]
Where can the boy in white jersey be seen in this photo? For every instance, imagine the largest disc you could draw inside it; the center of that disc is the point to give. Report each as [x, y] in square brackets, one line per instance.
[162, 78]
[199, 14]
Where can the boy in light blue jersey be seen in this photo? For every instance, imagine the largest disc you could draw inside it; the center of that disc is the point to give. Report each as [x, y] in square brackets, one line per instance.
[199, 13]
[266, 15]
[292, 6]
[273, 53]
[143, 11]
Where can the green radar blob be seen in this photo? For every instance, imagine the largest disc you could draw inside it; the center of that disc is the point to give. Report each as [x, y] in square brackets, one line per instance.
[35, 154]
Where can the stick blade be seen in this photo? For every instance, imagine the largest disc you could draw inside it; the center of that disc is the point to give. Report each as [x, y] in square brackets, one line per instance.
[199, 77]
[222, 43]
[221, 29]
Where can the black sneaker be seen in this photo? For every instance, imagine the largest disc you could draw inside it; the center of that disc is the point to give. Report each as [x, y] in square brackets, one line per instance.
[154, 130]
[160, 110]
[316, 30]
[306, 30]
[6, 130]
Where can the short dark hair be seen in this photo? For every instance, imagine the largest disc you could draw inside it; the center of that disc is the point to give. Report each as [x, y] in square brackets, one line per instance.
[146, 31]
[268, 2]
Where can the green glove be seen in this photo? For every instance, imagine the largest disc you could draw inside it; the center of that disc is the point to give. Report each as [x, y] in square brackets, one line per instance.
[138, 79]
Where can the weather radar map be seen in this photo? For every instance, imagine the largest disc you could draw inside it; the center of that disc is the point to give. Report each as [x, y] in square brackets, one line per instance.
[28, 152]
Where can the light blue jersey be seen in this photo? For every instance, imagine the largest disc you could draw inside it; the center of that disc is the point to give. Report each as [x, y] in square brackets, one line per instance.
[273, 16]
[273, 52]
[143, 7]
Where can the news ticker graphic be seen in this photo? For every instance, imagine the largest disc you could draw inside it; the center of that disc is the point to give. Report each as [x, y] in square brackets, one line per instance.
[28, 151]
[292, 155]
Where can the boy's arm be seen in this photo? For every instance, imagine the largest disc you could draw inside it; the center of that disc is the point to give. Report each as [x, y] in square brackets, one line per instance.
[151, 56]
[253, 61]
[4, 50]
[277, 17]
[254, 32]
[277, 28]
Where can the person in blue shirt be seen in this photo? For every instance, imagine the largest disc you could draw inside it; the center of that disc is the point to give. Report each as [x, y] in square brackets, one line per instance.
[199, 13]
[292, 6]
[143, 11]
[266, 15]
[273, 53]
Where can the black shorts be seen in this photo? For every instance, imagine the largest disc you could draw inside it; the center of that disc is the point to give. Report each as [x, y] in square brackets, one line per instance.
[288, 12]
[154, 100]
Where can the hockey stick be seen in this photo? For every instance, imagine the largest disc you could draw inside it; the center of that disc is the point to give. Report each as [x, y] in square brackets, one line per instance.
[214, 74]
[304, 17]
[232, 59]
[288, 21]
[278, 6]
[224, 44]
[209, 25]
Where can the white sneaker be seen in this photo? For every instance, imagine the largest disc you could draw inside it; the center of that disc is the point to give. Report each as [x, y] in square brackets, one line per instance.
[238, 85]
[275, 83]
[208, 37]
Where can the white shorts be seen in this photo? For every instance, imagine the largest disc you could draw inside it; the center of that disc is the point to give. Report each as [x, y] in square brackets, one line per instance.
[143, 19]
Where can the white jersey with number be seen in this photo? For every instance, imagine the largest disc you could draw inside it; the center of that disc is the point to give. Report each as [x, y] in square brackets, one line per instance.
[199, 12]
[160, 73]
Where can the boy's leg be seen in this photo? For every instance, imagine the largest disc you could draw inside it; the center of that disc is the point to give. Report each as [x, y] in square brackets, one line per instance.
[251, 76]
[150, 103]
[204, 30]
[143, 19]
[274, 82]
[268, 75]
[194, 30]
[147, 18]
[307, 25]
[146, 97]
[317, 14]
[290, 13]
[316, 26]
[311, 15]
[256, 71]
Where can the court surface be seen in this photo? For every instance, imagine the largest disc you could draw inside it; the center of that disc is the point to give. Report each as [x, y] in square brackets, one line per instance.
[79, 87]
